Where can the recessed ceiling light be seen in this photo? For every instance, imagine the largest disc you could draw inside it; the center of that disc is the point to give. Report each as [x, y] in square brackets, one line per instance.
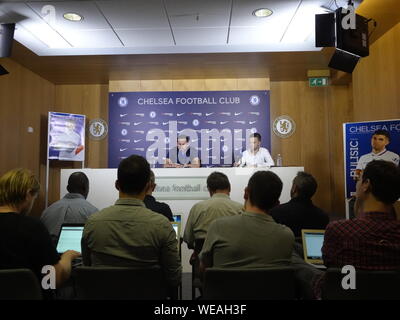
[262, 13]
[72, 16]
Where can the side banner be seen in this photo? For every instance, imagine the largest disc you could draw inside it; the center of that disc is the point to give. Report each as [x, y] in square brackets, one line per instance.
[217, 123]
[359, 144]
[66, 136]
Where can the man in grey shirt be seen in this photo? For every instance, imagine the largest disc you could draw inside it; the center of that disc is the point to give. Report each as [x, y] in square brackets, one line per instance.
[203, 213]
[128, 234]
[252, 239]
[73, 208]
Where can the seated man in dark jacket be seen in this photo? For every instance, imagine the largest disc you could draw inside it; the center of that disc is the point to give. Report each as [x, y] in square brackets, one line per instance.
[300, 213]
[151, 202]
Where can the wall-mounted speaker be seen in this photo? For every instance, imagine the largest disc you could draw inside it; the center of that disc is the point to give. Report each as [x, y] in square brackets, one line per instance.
[343, 61]
[325, 30]
[6, 39]
[350, 44]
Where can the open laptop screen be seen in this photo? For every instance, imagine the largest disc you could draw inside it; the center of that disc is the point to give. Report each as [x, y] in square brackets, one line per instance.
[313, 241]
[70, 238]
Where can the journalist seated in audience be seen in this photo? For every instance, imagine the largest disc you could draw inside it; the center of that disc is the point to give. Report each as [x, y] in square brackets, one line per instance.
[151, 202]
[128, 234]
[300, 212]
[25, 241]
[252, 239]
[73, 208]
[204, 212]
[371, 241]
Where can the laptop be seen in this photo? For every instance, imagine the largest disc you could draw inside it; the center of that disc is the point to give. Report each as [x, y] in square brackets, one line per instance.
[312, 245]
[70, 237]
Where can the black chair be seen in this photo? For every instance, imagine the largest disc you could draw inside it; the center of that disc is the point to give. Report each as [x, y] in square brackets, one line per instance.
[370, 285]
[19, 284]
[114, 283]
[249, 284]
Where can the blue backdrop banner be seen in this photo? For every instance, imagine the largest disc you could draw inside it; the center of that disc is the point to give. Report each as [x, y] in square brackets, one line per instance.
[357, 142]
[217, 122]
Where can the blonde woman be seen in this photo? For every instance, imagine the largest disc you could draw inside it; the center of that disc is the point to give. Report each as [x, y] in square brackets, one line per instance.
[24, 240]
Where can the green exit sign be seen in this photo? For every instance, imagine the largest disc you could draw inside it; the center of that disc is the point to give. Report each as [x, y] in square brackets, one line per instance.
[318, 82]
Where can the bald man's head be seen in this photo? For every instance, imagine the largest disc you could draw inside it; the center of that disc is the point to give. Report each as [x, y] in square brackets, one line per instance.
[78, 182]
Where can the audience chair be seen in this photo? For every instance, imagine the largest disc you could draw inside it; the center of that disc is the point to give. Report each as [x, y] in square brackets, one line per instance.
[115, 283]
[370, 285]
[249, 284]
[19, 284]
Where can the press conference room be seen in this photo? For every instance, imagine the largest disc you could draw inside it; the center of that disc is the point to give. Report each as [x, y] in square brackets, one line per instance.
[184, 150]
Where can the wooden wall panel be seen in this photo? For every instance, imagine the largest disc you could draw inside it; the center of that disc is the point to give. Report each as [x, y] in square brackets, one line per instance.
[376, 80]
[386, 13]
[92, 101]
[156, 85]
[317, 143]
[10, 107]
[254, 84]
[221, 84]
[339, 111]
[124, 86]
[189, 85]
[282, 103]
[25, 99]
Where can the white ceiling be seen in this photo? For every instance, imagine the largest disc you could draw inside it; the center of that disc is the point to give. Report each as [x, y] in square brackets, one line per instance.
[164, 26]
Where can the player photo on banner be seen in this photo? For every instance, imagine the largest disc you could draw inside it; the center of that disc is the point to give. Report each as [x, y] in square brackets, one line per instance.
[66, 136]
[368, 141]
[205, 128]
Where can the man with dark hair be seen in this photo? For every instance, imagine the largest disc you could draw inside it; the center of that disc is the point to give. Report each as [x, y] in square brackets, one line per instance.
[182, 156]
[252, 239]
[73, 208]
[379, 140]
[371, 241]
[203, 213]
[300, 212]
[152, 204]
[255, 156]
[128, 234]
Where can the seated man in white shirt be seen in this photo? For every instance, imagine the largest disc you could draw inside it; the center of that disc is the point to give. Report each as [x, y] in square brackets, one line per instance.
[255, 156]
[379, 140]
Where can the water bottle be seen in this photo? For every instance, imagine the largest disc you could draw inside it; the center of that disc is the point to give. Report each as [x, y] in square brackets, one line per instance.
[279, 161]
